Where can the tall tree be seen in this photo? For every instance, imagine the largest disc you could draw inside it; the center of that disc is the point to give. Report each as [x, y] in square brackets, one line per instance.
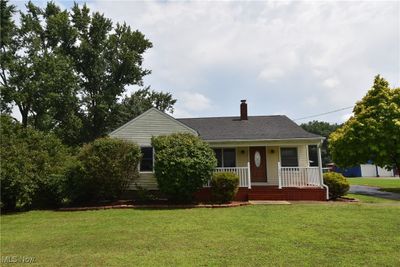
[66, 70]
[7, 31]
[107, 59]
[373, 133]
[324, 129]
[36, 77]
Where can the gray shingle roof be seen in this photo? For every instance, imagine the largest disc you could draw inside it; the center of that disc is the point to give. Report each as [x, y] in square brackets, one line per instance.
[256, 127]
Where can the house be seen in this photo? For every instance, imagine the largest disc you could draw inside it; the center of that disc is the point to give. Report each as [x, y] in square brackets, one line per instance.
[268, 153]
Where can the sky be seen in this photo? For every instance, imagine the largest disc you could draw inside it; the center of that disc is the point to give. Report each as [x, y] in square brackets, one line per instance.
[294, 58]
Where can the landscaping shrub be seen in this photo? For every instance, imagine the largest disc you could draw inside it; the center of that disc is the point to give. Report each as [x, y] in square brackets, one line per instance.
[32, 163]
[104, 170]
[183, 164]
[224, 186]
[337, 183]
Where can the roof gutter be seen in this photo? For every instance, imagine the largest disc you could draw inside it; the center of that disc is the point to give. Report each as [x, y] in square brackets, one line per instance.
[320, 139]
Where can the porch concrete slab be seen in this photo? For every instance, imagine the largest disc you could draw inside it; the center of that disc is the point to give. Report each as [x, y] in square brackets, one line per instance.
[269, 202]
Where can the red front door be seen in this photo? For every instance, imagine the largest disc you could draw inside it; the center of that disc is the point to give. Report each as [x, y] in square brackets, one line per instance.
[258, 166]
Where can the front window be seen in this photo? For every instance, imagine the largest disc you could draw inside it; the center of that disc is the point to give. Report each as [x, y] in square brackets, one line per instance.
[226, 157]
[146, 164]
[289, 157]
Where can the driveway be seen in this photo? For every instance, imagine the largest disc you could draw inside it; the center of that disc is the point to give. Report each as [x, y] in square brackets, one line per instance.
[373, 191]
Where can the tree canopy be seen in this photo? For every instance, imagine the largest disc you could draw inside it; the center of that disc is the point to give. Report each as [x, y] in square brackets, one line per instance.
[373, 133]
[67, 71]
[324, 129]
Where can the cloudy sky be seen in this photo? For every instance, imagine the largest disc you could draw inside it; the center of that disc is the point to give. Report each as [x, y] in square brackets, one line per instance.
[293, 58]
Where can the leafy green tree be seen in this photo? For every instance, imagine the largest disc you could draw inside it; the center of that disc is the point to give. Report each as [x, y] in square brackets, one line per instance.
[7, 31]
[32, 164]
[36, 77]
[373, 133]
[107, 59]
[324, 129]
[67, 70]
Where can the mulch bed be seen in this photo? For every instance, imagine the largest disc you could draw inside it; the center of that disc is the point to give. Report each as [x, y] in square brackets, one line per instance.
[132, 205]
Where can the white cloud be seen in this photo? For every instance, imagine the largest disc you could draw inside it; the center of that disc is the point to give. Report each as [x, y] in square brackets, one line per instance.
[271, 74]
[331, 82]
[193, 101]
[329, 51]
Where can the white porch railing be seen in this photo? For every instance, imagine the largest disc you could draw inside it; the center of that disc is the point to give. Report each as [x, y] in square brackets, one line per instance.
[242, 172]
[299, 176]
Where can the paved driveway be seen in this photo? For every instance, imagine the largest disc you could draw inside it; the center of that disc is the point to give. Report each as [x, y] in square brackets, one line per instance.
[373, 191]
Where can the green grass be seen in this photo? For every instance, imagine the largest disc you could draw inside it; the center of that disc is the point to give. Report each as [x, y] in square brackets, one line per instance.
[371, 199]
[378, 182]
[389, 185]
[332, 234]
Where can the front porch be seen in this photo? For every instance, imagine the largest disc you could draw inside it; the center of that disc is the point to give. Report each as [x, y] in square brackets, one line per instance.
[262, 176]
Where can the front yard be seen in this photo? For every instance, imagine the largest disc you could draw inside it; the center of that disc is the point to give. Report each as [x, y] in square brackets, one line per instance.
[331, 234]
[385, 184]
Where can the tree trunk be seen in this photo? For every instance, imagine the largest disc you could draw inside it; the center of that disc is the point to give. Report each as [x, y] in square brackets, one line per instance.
[24, 115]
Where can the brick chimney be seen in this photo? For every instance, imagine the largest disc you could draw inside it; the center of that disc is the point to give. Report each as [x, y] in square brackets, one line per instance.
[243, 110]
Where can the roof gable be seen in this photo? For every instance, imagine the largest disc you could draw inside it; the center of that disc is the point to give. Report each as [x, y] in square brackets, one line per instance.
[153, 122]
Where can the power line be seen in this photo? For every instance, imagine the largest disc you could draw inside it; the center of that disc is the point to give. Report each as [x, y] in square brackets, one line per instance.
[325, 113]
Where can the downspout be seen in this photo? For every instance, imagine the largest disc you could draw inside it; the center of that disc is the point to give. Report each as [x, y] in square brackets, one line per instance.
[321, 175]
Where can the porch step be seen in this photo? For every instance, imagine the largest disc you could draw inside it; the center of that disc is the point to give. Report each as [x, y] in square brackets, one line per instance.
[267, 196]
[269, 202]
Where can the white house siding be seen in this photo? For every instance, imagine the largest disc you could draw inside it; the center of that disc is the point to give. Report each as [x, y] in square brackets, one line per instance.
[141, 129]
[302, 152]
[273, 156]
[146, 180]
[151, 123]
[242, 156]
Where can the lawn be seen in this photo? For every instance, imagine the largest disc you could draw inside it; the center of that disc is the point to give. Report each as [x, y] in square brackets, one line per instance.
[331, 234]
[390, 185]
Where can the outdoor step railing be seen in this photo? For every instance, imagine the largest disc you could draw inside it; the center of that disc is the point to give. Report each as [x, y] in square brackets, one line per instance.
[242, 172]
[299, 176]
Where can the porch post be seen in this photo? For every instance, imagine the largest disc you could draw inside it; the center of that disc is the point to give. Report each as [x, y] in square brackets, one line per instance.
[248, 175]
[320, 164]
[279, 175]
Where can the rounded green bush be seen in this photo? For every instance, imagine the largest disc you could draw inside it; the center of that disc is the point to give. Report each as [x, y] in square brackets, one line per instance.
[103, 171]
[32, 167]
[337, 183]
[183, 164]
[224, 186]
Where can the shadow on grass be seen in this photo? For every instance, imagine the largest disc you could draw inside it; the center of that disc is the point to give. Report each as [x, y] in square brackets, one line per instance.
[392, 190]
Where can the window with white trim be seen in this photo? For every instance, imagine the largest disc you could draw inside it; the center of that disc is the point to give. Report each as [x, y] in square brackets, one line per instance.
[146, 164]
[226, 157]
[289, 157]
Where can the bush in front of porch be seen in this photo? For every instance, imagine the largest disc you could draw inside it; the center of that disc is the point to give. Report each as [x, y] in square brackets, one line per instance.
[183, 164]
[224, 186]
[337, 184]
